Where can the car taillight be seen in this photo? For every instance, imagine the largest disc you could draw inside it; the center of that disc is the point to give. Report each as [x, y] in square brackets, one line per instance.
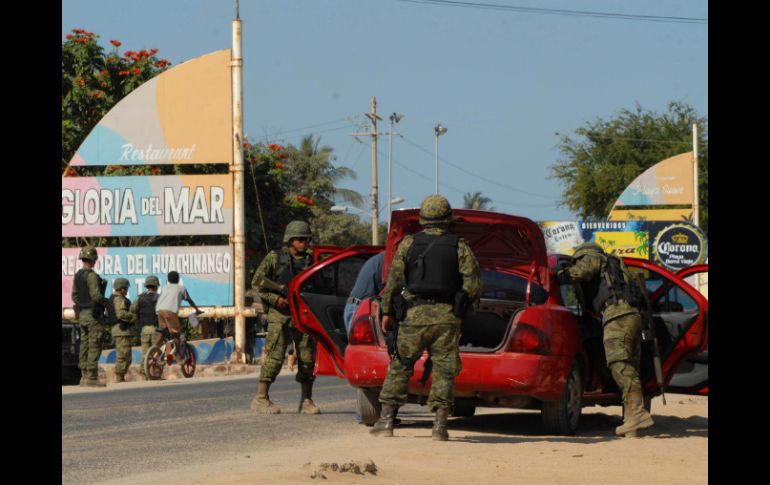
[529, 340]
[361, 332]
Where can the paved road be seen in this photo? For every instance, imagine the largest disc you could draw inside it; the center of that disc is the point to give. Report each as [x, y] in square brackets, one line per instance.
[117, 432]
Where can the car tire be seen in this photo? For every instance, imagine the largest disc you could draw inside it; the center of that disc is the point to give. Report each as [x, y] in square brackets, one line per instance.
[368, 405]
[464, 410]
[562, 417]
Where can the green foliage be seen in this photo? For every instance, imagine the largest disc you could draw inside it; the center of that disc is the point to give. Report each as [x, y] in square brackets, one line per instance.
[92, 83]
[613, 152]
[344, 230]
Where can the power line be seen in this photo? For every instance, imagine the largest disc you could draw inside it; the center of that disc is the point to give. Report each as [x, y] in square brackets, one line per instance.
[472, 174]
[460, 190]
[349, 119]
[570, 13]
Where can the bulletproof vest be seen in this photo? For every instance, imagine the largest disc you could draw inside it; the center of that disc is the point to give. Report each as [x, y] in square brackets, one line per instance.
[146, 309]
[432, 269]
[112, 317]
[288, 268]
[81, 284]
[616, 283]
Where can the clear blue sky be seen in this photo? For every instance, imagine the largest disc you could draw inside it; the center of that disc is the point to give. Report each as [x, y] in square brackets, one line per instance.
[502, 82]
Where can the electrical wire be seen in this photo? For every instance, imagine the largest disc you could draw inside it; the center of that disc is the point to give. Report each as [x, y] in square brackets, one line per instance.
[472, 174]
[552, 11]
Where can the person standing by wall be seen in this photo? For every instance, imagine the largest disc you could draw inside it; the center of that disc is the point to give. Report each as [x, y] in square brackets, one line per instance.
[144, 313]
[120, 318]
[88, 297]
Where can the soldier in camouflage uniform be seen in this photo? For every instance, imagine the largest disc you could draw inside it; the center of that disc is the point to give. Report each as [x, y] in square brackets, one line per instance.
[121, 319]
[609, 286]
[281, 266]
[432, 267]
[88, 296]
[143, 310]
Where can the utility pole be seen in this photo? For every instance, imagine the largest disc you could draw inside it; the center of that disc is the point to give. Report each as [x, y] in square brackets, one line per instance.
[375, 212]
[695, 204]
[239, 239]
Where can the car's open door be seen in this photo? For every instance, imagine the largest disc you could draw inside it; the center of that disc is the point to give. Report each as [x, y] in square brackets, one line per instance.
[317, 299]
[692, 375]
[680, 314]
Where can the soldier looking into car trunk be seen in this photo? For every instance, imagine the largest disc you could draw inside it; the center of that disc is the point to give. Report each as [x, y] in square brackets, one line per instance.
[430, 270]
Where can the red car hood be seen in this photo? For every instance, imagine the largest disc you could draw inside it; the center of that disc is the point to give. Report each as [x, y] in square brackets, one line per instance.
[497, 240]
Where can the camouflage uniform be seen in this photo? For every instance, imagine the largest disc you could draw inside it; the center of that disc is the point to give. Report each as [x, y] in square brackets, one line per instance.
[281, 329]
[150, 326]
[122, 330]
[431, 326]
[622, 327]
[90, 318]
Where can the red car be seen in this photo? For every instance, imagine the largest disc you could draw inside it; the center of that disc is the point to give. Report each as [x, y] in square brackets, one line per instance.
[530, 344]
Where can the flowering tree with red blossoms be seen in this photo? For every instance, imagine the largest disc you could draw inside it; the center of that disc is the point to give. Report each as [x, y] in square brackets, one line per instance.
[93, 81]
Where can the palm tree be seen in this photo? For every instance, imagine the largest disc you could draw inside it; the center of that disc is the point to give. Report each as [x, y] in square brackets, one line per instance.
[312, 174]
[477, 201]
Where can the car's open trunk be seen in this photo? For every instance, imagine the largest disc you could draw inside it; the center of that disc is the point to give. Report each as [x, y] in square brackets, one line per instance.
[487, 329]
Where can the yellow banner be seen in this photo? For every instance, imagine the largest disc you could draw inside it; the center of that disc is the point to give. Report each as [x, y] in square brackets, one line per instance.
[624, 244]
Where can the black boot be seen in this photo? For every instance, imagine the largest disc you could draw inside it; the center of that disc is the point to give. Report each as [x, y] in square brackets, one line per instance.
[384, 425]
[439, 425]
[307, 406]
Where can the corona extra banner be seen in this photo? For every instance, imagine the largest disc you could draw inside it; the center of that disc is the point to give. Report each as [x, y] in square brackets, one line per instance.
[672, 245]
[147, 206]
[206, 271]
[183, 115]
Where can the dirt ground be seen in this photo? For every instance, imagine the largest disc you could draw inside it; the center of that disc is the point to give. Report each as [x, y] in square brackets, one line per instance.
[495, 446]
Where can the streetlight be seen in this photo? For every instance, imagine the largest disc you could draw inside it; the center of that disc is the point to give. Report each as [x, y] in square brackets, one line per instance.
[394, 118]
[440, 130]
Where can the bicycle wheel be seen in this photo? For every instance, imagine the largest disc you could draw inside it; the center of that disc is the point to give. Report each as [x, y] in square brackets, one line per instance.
[153, 363]
[188, 366]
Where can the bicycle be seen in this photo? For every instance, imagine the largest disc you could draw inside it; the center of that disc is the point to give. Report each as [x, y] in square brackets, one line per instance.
[158, 358]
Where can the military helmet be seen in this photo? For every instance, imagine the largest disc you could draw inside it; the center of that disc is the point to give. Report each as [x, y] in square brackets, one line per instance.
[89, 253]
[120, 283]
[587, 248]
[296, 229]
[152, 281]
[435, 209]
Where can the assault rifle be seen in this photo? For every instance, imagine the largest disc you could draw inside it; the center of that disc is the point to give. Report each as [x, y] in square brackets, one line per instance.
[265, 282]
[648, 334]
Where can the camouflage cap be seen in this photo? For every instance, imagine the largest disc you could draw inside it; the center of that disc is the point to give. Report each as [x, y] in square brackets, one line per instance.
[120, 283]
[435, 209]
[89, 253]
[296, 229]
[152, 280]
[586, 248]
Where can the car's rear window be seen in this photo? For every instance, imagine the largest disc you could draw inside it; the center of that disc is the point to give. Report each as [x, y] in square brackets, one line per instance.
[502, 286]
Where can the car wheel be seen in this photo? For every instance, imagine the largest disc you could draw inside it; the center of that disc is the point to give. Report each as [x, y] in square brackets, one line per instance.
[464, 410]
[563, 416]
[368, 406]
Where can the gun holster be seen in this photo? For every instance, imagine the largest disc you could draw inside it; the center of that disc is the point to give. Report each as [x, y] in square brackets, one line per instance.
[460, 305]
[399, 305]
